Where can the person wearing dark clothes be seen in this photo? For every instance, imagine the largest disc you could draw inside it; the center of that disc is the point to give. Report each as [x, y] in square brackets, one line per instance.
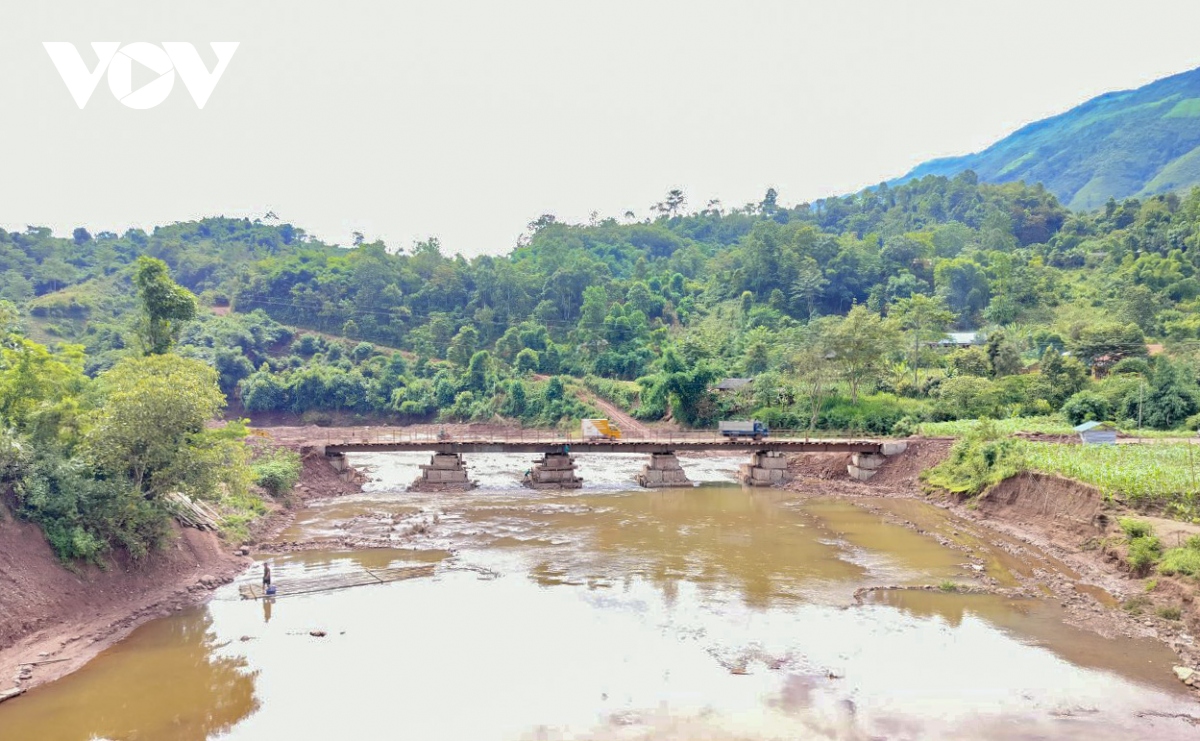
[266, 575]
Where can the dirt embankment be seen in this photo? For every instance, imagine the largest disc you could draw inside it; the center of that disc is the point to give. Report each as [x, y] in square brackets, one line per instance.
[55, 619]
[1071, 522]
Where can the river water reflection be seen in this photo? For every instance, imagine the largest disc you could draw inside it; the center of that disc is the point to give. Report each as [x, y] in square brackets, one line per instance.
[706, 613]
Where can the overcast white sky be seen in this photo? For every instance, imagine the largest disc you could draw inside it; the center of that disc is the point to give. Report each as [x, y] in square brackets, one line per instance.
[466, 120]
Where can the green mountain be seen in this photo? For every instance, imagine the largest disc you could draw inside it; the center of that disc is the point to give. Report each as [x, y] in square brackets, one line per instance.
[1133, 143]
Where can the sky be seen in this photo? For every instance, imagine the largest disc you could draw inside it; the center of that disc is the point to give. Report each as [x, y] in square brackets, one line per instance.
[467, 120]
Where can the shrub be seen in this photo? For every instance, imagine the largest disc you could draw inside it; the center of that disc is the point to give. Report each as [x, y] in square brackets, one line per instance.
[1136, 528]
[978, 460]
[904, 427]
[1170, 613]
[1143, 553]
[277, 472]
[83, 516]
[1180, 561]
[967, 396]
[1135, 605]
[873, 415]
[307, 345]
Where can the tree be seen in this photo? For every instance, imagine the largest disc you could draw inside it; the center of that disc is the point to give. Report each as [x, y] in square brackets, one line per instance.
[463, 346]
[1063, 376]
[925, 319]
[808, 285]
[747, 303]
[39, 390]
[1003, 355]
[769, 204]
[963, 397]
[591, 318]
[674, 203]
[166, 305]
[1087, 406]
[969, 361]
[813, 367]
[479, 372]
[150, 427]
[1102, 344]
[758, 351]
[860, 343]
[963, 284]
[526, 362]
[1168, 401]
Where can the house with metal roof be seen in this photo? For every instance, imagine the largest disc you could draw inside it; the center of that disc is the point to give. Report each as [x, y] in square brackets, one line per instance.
[958, 339]
[733, 384]
[1097, 433]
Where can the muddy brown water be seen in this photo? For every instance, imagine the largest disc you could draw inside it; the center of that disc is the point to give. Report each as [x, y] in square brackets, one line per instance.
[706, 613]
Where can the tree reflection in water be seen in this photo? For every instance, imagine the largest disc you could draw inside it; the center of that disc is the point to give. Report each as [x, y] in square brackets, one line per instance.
[173, 686]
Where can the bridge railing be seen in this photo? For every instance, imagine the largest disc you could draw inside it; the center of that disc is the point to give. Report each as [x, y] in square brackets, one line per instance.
[383, 435]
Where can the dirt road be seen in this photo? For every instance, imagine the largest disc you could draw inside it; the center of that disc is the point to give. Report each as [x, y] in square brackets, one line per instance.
[629, 426]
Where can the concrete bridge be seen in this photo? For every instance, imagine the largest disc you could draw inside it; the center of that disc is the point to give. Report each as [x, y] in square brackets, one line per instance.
[556, 468]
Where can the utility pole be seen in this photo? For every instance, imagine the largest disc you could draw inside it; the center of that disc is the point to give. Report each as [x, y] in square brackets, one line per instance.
[1141, 395]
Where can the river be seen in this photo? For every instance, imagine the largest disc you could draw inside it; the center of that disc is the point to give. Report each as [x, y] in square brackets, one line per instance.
[613, 612]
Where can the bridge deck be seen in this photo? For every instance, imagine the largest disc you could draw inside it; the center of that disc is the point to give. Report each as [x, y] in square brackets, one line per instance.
[709, 444]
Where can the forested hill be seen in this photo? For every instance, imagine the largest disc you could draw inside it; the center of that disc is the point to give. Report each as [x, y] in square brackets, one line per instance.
[651, 312]
[1122, 144]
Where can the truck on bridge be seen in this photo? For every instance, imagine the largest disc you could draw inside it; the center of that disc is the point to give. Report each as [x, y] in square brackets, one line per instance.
[600, 429]
[744, 428]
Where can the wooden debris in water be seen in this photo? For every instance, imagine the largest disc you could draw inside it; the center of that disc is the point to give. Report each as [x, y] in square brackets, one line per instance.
[289, 587]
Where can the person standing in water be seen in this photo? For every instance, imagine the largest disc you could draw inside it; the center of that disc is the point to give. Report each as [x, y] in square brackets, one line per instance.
[266, 575]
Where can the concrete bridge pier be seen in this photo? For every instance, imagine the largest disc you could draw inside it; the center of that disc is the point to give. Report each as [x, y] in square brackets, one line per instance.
[662, 470]
[554, 471]
[865, 465]
[445, 472]
[766, 468]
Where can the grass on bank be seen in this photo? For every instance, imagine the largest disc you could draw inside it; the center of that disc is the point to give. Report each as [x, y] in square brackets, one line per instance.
[1160, 476]
[1144, 552]
[1047, 425]
[1152, 475]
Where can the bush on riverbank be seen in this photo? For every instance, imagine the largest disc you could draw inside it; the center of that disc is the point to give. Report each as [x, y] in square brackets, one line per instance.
[982, 458]
[277, 472]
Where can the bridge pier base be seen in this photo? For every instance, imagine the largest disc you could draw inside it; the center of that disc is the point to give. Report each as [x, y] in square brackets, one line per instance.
[554, 471]
[662, 470]
[766, 468]
[865, 465]
[445, 472]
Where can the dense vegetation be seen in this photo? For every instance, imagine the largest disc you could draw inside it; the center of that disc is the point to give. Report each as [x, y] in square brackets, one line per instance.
[835, 308]
[1135, 143]
[94, 459]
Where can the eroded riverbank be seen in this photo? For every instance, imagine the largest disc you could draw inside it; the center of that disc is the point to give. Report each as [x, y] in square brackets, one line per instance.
[712, 612]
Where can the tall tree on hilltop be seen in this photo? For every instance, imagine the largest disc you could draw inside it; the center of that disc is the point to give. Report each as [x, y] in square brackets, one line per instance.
[166, 305]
